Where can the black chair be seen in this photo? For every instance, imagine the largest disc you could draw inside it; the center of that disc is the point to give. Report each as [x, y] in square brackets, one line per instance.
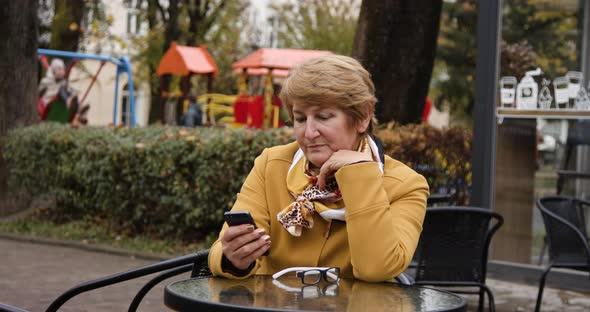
[197, 263]
[453, 249]
[565, 229]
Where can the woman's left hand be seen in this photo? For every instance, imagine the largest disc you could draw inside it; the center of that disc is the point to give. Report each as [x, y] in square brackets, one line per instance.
[340, 159]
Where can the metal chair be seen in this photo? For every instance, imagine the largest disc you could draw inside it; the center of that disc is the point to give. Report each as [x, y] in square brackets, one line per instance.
[197, 263]
[435, 200]
[565, 228]
[453, 249]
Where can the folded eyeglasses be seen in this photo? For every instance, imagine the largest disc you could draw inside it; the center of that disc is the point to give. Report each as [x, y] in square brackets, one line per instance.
[312, 275]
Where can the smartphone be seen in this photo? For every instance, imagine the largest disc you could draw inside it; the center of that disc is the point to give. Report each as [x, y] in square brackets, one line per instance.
[240, 217]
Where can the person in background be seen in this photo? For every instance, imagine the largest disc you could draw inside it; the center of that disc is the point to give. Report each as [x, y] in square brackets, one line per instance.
[332, 198]
[194, 114]
[55, 84]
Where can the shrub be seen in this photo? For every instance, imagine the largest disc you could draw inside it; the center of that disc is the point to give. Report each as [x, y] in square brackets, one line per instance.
[442, 156]
[165, 181]
[177, 182]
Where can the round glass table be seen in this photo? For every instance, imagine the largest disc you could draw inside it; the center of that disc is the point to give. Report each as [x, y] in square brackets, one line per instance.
[262, 293]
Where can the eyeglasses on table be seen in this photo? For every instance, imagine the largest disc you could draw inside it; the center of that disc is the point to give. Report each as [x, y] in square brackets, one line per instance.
[312, 275]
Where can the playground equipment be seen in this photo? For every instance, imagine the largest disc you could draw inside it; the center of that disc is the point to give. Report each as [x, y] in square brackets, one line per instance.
[56, 110]
[258, 111]
[263, 111]
[218, 104]
[184, 61]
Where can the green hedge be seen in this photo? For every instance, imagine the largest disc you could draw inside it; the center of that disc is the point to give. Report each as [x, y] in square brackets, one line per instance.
[442, 156]
[170, 181]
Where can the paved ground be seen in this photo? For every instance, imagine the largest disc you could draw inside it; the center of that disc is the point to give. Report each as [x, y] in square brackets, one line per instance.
[33, 274]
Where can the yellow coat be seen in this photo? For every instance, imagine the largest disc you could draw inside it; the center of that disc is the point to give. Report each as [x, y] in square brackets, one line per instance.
[384, 215]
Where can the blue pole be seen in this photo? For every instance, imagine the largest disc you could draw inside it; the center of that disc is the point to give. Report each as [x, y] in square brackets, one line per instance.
[127, 68]
[76, 55]
[116, 97]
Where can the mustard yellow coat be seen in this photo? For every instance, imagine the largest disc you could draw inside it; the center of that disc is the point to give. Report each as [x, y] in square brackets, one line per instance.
[384, 215]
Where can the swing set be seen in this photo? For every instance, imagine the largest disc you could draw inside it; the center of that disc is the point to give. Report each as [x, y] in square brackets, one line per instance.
[56, 108]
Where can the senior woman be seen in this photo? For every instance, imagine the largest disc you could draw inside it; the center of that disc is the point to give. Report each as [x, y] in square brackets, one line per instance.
[330, 199]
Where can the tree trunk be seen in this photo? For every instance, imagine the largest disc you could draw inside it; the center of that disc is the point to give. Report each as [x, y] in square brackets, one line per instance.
[201, 18]
[18, 84]
[172, 32]
[155, 110]
[65, 29]
[396, 42]
[170, 19]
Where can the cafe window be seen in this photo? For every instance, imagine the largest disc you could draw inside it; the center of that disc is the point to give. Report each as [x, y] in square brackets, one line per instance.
[543, 89]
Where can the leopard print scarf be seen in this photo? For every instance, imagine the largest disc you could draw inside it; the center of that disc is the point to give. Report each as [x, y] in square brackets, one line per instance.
[309, 198]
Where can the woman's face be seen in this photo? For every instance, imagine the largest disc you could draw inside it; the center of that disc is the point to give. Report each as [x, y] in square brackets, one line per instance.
[323, 130]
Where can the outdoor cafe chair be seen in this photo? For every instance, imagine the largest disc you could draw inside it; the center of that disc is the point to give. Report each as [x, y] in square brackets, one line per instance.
[434, 200]
[196, 263]
[453, 249]
[566, 234]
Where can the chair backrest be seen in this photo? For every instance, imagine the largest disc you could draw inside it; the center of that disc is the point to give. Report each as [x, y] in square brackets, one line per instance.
[197, 262]
[564, 221]
[454, 244]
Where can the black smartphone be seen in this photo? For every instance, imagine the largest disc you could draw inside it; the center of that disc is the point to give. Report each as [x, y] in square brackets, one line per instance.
[240, 217]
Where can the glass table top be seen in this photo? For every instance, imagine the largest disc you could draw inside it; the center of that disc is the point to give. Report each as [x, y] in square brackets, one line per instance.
[287, 294]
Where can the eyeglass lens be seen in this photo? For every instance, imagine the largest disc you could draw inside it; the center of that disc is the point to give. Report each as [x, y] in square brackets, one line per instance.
[312, 277]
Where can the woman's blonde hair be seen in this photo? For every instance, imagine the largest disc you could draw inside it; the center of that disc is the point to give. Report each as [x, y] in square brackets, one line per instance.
[332, 80]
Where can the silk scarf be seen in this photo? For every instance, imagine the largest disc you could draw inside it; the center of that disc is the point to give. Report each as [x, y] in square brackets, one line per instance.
[309, 198]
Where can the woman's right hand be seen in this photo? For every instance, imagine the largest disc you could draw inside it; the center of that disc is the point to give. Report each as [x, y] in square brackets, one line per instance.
[242, 244]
